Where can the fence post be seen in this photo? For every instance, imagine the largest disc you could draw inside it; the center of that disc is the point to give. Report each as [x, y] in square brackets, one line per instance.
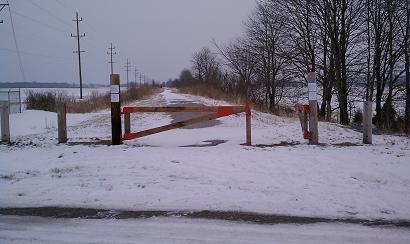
[313, 116]
[5, 121]
[127, 123]
[62, 122]
[20, 100]
[367, 122]
[116, 131]
[248, 125]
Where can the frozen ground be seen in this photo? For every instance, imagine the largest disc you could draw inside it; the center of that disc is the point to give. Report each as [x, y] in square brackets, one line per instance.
[156, 173]
[175, 230]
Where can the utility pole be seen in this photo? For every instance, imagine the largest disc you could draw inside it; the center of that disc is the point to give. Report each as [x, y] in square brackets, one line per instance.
[2, 6]
[140, 79]
[135, 75]
[78, 37]
[111, 53]
[127, 68]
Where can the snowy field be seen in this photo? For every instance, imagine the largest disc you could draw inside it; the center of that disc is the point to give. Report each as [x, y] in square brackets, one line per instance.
[72, 92]
[340, 179]
[13, 95]
[175, 230]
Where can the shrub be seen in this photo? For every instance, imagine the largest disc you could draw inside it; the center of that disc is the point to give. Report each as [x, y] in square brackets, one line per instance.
[47, 101]
[44, 101]
[211, 91]
[217, 93]
[358, 117]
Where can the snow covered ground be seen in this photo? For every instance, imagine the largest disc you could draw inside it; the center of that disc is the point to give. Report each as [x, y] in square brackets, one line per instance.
[176, 230]
[156, 173]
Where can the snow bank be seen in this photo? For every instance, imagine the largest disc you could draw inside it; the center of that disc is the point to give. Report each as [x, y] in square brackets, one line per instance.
[155, 172]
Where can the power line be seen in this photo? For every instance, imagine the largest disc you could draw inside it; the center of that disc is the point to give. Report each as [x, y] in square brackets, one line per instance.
[50, 13]
[92, 28]
[35, 54]
[79, 51]
[135, 75]
[127, 68]
[16, 44]
[86, 22]
[39, 22]
[100, 35]
[34, 36]
[70, 9]
[140, 79]
[111, 53]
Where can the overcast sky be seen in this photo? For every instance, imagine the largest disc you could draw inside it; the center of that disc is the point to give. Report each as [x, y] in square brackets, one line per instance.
[158, 36]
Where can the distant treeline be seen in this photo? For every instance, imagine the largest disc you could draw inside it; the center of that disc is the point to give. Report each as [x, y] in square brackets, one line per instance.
[45, 85]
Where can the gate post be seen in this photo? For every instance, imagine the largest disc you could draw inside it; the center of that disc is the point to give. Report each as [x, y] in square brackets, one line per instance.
[62, 122]
[116, 130]
[127, 123]
[313, 116]
[248, 125]
[5, 121]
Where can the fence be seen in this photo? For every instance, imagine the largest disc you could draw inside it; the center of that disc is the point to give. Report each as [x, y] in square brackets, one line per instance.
[13, 97]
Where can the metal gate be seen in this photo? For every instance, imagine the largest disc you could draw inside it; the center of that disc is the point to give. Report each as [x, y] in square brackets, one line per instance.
[13, 96]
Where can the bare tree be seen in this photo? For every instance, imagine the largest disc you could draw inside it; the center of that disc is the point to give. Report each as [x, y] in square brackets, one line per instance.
[344, 22]
[241, 61]
[386, 44]
[406, 31]
[265, 36]
[185, 79]
[306, 28]
[205, 65]
[358, 48]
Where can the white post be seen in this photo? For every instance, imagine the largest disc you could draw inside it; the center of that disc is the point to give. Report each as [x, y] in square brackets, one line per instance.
[313, 116]
[5, 123]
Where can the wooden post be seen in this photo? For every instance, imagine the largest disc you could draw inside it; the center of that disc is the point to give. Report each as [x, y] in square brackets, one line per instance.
[5, 121]
[367, 122]
[248, 125]
[20, 100]
[303, 117]
[62, 122]
[116, 138]
[313, 116]
[127, 123]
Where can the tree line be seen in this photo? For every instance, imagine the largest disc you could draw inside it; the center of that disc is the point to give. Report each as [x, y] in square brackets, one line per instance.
[359, 49]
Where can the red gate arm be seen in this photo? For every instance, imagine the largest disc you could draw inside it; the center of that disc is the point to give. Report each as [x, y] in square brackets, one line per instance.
[131, 136]
[216, 112]
[199, 109]
[225, 111]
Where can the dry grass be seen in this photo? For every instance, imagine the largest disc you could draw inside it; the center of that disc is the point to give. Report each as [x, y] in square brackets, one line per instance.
[96, 101]
[216, 93]
[213, 92]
